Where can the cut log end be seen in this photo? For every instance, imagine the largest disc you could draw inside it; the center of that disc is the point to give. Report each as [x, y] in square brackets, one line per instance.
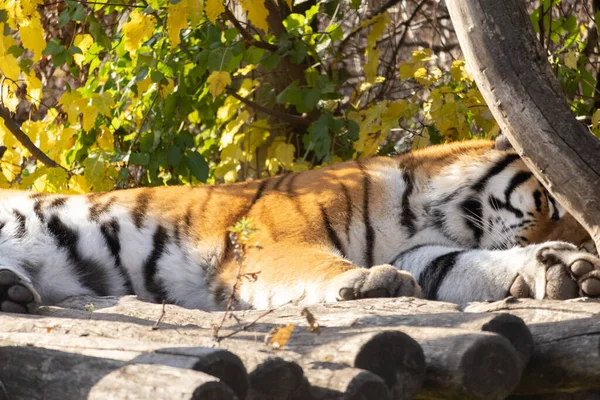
[278, 379]
[514, 330]
[397, 358]
[214, 391]
[490, 369]
[228, 368]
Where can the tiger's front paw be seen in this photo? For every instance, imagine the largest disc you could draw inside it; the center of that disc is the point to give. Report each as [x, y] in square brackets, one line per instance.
[378, 281]
[17, 295]
[569, 273]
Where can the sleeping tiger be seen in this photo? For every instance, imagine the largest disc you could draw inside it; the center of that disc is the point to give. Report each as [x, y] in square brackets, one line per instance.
[460, 222]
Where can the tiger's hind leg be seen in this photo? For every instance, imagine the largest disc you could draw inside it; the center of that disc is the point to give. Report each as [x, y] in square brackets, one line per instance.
[17, 294]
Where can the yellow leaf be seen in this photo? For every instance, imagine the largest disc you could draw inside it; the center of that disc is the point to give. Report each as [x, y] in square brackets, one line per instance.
[73, 104]
[6, 136]
[144, 85]
[9, 66]
[78, 184]
[89, 117]
[256, 136]
[34, 87]
[84, 42]
[420, 141]
[105, 139]
[458, 71]
[32, 35]
[227, 171]
[282, 152]
[377, 28]
[257, 13]
[98, 171]
[232, 128]
[247, 87]
[571, 59]
[281, 336]
[11, 164]
[176, 21]
[245, 70]
[213, 9]
[9, 96]
[137, 30]
[167, 89]
[371, 65]
[217, 82]
[103, 102]
[228, 109]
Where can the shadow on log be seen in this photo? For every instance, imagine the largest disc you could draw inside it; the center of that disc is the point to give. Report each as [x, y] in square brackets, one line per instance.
[37, 373]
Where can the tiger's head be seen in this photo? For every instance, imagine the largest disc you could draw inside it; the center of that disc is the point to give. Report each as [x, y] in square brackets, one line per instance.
[500, 204]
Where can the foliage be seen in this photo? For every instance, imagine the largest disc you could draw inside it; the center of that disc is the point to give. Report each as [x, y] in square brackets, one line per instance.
[165, 92]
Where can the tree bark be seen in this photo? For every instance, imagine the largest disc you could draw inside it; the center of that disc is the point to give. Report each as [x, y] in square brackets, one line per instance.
[512, 72]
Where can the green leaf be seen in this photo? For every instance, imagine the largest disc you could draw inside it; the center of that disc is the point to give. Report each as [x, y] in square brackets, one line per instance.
[74, 50]
[156, 76]
[271, 61]
[197, 165]
[64, 17]
[78, 14]
[139, 158]
[318, 132]
[174, 156]
[294, 21]
[310, 98]
[290, 95]
[53, 48]
[299, 53]
[15, 51]
[98, 33]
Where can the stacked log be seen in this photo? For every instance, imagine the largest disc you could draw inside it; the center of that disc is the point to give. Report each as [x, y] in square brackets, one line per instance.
[376, 348]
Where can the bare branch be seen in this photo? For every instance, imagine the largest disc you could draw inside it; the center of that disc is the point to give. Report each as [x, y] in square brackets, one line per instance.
[290, 118]
[15, 129]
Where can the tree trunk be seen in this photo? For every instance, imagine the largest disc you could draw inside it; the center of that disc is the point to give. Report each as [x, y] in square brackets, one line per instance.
[513, 74]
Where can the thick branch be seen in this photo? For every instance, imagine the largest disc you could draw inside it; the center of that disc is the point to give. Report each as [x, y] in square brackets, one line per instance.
[247, 35]
[14, 128]
[510, 68]
[292, 119]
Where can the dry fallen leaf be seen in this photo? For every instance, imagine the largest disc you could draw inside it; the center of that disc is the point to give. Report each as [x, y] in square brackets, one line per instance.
[281, 335]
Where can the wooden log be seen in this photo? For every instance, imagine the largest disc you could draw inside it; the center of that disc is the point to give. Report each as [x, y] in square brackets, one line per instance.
[465, 364]
[219, 363]
[566, 358]
[535, 311]
[335, 382]
[276, 378]
[359, 313]
[38, 373]
[393, 355]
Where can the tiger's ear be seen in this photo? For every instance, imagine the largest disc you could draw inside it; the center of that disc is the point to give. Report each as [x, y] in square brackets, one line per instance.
[502, 143]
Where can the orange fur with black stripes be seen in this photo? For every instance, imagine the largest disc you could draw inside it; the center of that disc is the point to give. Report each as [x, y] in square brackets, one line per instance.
[463, 219]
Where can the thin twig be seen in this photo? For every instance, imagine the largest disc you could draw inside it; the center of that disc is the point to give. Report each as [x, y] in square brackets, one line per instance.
[245, 327]
[139, 132]
[162, 314]
[15, 129]
[292, 119]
